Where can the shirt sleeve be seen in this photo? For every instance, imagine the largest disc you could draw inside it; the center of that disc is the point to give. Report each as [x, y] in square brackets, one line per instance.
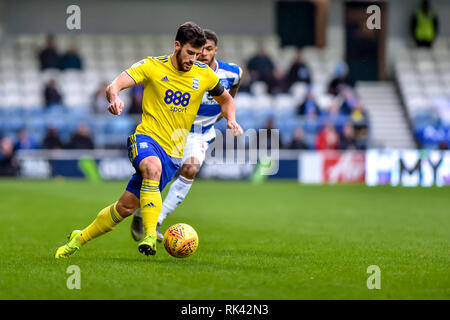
[140, 71]
[237, 71]
[213, 80]
[238, 78]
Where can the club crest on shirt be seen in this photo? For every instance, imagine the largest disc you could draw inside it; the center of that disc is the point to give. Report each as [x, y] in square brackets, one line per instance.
[195, 83]
[224, 83]
[143, 145]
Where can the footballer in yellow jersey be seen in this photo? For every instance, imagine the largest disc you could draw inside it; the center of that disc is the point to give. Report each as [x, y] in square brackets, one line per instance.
[171, 99]
[201, 135]
[173, 89]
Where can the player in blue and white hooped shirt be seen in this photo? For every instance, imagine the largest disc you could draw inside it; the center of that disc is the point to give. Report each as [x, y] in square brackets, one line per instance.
[201, 135]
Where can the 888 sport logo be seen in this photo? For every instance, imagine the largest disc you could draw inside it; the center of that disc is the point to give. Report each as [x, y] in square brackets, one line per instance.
[177, 98]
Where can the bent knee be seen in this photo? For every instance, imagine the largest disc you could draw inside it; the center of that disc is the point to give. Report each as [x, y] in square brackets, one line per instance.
[151, 169]
[190, 170]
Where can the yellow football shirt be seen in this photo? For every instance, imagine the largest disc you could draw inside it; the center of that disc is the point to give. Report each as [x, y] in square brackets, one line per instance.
[171, 99]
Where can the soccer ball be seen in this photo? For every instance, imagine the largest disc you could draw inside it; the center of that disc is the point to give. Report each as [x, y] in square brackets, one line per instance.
[180, 240]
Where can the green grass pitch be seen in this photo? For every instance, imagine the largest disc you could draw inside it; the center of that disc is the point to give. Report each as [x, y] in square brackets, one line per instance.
[278, 240]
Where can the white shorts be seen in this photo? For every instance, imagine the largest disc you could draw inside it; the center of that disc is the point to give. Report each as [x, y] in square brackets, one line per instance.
[196, 146]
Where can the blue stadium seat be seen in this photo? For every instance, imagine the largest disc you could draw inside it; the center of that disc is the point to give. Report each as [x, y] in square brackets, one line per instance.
[98, 124]
[106, 140]
[34, 112]
[243, 113]
[287, 126]
[248, 123]
[261, 116]
[13, 124]
[221, 125]
[121, 125]
[14, 112]
[36, 125]
[424, 118]
[284, 114]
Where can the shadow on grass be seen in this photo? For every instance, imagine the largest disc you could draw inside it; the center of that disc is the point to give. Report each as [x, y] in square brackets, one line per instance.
[231, 260]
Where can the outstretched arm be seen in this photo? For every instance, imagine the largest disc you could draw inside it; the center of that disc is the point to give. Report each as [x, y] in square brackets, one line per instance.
[233, 90]
[121, 82]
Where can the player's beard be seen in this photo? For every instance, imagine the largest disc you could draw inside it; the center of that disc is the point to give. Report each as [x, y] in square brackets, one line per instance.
[184, 66]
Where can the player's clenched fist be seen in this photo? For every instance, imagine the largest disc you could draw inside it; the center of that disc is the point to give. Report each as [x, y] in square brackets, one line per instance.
[116, 106]
[237, 130]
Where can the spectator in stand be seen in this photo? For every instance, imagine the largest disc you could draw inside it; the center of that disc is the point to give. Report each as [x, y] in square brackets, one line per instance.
[81, 139]
[49, 57]
[349, 100]
[332, 112]
[299, 72]
[99, 102]
[51, 94]
[298, 142]
[443, 146]
[341, 79]
[51, 140]
[309, 106]
[327, 138]
[261, 68]
[424, 25]
[25, 141]
[347, 140]
[9, 165]
[360, 122]
[136, 93]
[71, 59]
[269, 126]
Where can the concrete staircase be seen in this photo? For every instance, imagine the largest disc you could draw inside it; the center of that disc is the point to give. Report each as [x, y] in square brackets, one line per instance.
[388, 123]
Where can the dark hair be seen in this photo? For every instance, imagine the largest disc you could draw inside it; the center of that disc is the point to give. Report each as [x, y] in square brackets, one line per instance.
[190, 32]
[211, 35]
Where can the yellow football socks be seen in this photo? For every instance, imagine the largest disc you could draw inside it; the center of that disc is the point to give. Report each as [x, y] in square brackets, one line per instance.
[151, 204]
[106, 221]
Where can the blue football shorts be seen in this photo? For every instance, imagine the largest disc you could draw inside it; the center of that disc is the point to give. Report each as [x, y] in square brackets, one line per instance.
[141, 146]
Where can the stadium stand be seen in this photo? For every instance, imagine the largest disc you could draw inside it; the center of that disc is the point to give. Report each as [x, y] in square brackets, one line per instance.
[423, 78]
[105, 56]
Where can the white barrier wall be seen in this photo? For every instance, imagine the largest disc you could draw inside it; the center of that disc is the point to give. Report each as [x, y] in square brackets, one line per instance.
[408, 167]
[331, 167]
[372, 167]
[376, 167]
